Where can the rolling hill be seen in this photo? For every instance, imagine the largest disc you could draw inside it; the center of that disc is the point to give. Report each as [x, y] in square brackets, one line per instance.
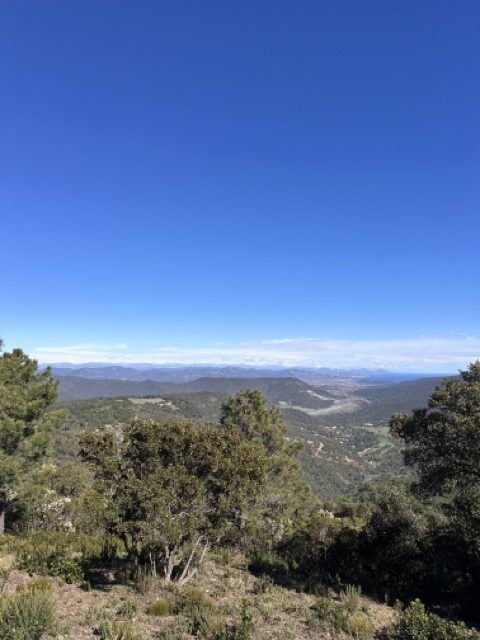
[290, 391]
[344, 430]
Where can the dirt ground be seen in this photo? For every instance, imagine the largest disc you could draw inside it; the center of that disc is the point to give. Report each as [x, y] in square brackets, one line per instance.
[278, 613]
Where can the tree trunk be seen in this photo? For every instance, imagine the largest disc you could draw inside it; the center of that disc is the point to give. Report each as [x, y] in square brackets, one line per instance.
[189, 572]
[169, 565]
[189, 561]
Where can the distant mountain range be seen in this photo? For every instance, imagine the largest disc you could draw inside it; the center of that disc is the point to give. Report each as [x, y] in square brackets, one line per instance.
[143, 372]
[365, 400]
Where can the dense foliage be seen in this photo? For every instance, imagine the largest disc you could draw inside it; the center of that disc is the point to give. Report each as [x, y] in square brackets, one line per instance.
[443, 440]
[25, 427]
[443, 444]
[174, 489]
[336, 457]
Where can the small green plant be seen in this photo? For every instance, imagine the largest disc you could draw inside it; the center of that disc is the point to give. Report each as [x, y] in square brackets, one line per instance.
[225, 556]
[117, 631]
[244, 629]
[360, 626]
[4, 576]
[159, 607]
[343, 615]
[351, 597]
[144, 580]
[94, 615]
[128, 610]
[178, 629]
[27, 615]
[40, 583]
[198, 611]
[192, 600]
[324, 608]
[264, 584]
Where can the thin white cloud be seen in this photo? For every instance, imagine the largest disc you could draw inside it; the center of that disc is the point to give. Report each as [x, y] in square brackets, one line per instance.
[88, 346]
[85, 352]
[435, 353]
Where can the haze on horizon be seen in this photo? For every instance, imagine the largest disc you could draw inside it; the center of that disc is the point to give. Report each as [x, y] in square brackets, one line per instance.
[416, 354]
[266, 184]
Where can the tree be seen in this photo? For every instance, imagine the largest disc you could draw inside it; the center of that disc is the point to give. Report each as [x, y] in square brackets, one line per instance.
[287, 501]
[25, 423]
[174, 489]
[247, 412]
[443, 440]
[443, 444]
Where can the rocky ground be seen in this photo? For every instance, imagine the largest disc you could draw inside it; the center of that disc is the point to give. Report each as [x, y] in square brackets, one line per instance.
[226, 590]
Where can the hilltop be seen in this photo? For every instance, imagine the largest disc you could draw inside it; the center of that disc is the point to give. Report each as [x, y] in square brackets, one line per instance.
[291, 391]
[343, 431]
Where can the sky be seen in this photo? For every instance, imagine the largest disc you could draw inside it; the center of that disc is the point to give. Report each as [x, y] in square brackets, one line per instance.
[270, 183]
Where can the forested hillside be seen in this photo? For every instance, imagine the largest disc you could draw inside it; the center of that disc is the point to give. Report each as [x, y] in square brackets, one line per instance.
[288, 390]
[344, 432]
[188, 516]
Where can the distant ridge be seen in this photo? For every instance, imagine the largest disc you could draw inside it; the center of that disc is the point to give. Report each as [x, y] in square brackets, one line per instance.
[290, 391]
[143, 372]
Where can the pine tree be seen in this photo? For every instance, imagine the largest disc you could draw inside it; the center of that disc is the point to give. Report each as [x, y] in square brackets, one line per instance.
[287, 501]
[25, 422]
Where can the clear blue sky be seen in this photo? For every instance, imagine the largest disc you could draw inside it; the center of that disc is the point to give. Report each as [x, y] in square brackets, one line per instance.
[180, 174]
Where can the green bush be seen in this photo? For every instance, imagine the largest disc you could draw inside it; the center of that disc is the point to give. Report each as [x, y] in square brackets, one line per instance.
[325, 608]
[117, 631]
[128, 610]
[198, 611]
[360, 627]
[314, 586]
[159, 607]
[224, 556]
[264, 584]
[55, 554]
[27, 615]
[414, 623]
[56, 564]
[350, 598]
[332, 613]
[39, 584]
[342, 616]
[262, 562]
[191, 601]
[144, 580]
[178, 629]
[244, 629]
[111, 548]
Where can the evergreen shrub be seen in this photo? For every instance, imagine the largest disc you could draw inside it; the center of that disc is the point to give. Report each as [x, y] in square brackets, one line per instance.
[159, 607]
[198, 611]
[343, 616]
[415, 623]
[28, 615]
[117, 631]
[266, 562]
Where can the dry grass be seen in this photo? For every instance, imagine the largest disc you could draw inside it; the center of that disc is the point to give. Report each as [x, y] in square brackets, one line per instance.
[278, 613]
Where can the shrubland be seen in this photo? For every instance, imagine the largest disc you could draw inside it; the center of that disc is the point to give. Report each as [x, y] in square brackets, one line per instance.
[173, 528]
